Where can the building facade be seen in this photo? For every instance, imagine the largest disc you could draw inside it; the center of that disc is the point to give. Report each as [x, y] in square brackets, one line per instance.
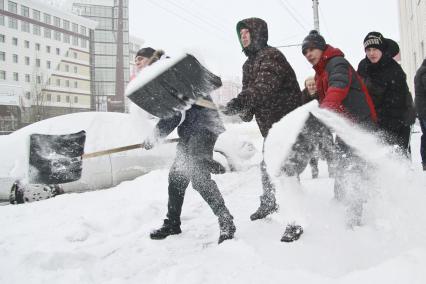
[44, 63]
[412, 14]
[110, 52]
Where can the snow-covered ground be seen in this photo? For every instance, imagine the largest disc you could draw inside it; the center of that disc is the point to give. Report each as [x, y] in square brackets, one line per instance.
[103, 236]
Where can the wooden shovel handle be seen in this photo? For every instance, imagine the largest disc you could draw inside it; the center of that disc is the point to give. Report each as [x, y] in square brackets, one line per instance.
[205, 103]
[121, 149]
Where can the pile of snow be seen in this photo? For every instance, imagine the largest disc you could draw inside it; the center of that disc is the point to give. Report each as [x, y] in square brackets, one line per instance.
[103, 236]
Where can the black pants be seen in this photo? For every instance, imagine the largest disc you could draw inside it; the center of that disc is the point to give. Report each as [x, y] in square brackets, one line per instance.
[399, 136]
[190, 166]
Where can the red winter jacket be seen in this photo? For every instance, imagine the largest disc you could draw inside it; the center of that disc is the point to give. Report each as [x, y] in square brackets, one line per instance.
[341, 89]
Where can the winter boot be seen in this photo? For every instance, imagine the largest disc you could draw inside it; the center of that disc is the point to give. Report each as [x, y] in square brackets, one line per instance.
[292, 233]
[166, 230]
[267, 206]
[424, 166]
[227, 227]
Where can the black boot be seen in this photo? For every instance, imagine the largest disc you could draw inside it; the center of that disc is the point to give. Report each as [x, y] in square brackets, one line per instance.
[292, 233]
[267, 206]
[166, 230]
[227, 227]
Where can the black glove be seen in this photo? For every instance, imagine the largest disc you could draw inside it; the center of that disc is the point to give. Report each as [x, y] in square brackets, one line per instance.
[233, 107]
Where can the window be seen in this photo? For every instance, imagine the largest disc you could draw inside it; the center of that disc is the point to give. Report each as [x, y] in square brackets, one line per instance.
[83, 30]
[27, 60]
[15, 58]
[75, 55]
[58, 51]
[67, 83]
[66, 25]
[47, 48]
[36, 15]
[57, 22]
[58, 82]
[47, 33]
[75, 69]
[75, 84]
[48, 64]
[47, 18]
[74, 27]
[58, 98]
[38, 62]
[83, 43]
[75, 40]
[67, 68]
[25, 11]
[15, 76]
[27, 78]
[28, 95]
[49, 97]
[2, 75]
[25, 26]
[76, 100]
[1, 20]
[27, 44]
[37, 47]
[1, 4]
[67, 99]
[13, 23]
[57, 36]
[36, 30]
[66, 38]
[12, 7]
[2, 56]
[15, 41]
[38, 79]
[2, 38]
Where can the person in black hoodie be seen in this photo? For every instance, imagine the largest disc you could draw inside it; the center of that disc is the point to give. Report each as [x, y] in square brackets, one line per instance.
[198, 129]
[420, 102]
[387, 85]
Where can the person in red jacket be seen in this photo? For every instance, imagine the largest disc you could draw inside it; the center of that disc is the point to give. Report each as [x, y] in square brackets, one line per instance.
[341, 90]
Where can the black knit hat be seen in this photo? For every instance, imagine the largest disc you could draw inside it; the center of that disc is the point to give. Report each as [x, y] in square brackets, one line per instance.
[145, 52]
[375, 40]
[385, 45]
[313, 40]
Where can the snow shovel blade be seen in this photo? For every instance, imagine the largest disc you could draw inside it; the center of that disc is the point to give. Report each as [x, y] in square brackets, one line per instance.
[169, 86]
[56, 159]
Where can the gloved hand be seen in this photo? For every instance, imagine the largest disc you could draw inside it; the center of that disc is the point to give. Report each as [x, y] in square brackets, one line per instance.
[150, 142]
[233, 107]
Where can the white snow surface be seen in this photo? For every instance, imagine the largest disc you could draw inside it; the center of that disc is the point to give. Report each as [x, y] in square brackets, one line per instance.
[103, 236]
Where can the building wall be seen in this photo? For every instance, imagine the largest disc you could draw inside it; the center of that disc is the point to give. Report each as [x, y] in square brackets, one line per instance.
[105, 47]
[36, 43]
[412, 15]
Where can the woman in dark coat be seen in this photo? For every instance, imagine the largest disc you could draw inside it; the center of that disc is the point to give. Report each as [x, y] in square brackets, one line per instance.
[387, 85]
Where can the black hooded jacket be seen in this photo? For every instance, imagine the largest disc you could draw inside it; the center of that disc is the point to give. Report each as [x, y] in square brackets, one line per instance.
[387, 84]
[270, 88]
[420, 90]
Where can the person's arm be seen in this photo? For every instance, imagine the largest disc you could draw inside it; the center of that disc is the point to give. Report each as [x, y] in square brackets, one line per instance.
[339, 81]
[163, 128]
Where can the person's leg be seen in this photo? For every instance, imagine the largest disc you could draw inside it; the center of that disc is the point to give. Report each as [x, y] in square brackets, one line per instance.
[201, 147]
[423, 142]
[268, 203]
[178, 182]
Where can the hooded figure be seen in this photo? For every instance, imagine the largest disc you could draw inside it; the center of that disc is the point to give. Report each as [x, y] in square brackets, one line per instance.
[387, 85]
[270, 91]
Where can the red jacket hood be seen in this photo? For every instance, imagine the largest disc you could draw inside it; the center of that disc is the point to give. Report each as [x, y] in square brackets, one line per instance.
[328, 53]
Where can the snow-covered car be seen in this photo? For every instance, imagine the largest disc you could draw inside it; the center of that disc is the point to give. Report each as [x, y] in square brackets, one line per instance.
[235, 149]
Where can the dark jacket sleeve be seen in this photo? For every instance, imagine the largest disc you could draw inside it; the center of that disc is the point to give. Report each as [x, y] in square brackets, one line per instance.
[166, 125]
[339, 79]
[268, 81]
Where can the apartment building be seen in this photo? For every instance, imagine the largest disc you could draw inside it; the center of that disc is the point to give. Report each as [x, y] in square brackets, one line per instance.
[44, 62]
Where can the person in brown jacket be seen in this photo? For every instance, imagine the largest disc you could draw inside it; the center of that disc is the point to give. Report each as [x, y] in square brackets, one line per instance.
[270, 91]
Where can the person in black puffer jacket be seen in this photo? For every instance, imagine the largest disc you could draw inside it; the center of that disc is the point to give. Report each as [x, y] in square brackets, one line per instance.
[387, 85]
[420, 102]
